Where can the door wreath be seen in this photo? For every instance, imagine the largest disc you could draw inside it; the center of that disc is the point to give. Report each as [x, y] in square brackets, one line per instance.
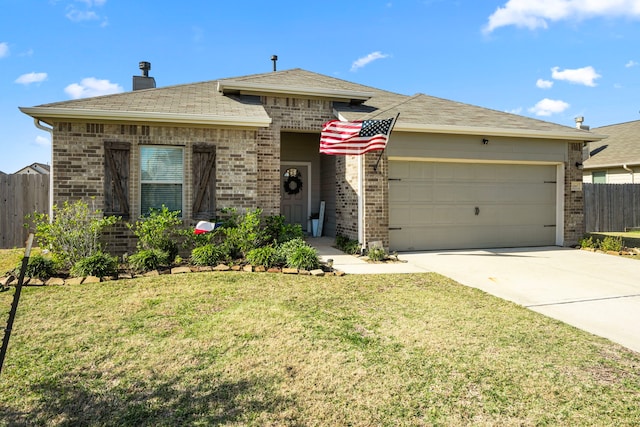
[292, 185]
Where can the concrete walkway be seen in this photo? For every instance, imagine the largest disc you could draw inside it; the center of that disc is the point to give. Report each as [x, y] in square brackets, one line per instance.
[597, 293]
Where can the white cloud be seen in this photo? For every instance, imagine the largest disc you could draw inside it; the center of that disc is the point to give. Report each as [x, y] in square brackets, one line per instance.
[41, 140]
[91, 86]
[27, 79]
[584, 76]
[547, 107]
[87, 13]
[631, 64]
[76, 15]
[365, 60]
[534, 14]
[4, 49]
[517, 110]
[544, 84]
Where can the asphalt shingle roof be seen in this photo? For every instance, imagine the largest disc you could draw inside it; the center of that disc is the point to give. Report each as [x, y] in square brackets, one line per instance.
[622, 146]
[204, 100]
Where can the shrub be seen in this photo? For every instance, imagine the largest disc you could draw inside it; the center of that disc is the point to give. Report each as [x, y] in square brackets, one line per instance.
[611, 243]
[265, 256]
[588, 242]
[73, 234]
[160, 231]
[303, 258]
[209, 254]
[377, 254]
[287, 248]
[278, 232]
[148, 260]
[99, 264]
[347, 245]
[38, 266]
[246, 235]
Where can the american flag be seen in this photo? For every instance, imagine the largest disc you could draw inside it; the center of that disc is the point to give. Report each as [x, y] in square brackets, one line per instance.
[358, 137]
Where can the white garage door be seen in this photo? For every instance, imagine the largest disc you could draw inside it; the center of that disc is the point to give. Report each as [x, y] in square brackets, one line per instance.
[463, 205]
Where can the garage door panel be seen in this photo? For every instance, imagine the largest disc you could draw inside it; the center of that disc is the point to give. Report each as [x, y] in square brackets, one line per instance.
[435, 205]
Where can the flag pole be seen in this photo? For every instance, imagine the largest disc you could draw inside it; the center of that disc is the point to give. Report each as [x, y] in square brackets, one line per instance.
[375, 167]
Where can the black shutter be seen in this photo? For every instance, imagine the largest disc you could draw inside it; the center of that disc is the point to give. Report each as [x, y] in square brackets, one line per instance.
[204, 182]
[116, 178]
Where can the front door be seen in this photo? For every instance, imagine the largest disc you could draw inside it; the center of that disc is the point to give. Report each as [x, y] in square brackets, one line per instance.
[294, 191]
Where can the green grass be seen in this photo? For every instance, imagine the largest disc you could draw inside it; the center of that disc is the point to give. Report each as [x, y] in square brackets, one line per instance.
[272, 349]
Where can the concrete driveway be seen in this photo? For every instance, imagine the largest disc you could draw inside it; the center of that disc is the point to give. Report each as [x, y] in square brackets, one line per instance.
[595, 292]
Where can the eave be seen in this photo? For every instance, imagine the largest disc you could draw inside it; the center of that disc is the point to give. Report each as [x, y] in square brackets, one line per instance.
[491, 131]
[246, 88]
[611, 165]
[49, 114]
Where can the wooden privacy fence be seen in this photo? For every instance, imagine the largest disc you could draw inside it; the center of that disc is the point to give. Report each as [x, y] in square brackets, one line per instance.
[20, 195]
[611, 207]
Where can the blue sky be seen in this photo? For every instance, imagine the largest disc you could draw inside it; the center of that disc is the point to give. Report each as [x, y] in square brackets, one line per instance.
[548, 59]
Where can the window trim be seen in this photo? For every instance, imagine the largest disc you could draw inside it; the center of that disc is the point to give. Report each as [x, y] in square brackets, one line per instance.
[142, 181]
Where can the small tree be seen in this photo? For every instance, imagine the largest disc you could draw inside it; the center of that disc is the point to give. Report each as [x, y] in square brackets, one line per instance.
[73, 234]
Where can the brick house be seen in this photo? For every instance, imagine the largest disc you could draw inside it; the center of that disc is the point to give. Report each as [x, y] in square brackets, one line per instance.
[453, 175]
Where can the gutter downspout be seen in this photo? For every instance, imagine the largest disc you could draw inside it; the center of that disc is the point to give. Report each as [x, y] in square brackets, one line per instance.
[51, 169]
[628, 169]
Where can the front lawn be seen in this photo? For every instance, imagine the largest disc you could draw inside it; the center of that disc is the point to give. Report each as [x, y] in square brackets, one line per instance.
[271, 349]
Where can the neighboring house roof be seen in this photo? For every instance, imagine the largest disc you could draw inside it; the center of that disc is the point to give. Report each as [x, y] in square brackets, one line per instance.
[218, 102]
[620, 147]
[34, 168]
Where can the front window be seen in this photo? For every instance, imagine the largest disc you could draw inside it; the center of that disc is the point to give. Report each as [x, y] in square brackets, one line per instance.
[161, 172]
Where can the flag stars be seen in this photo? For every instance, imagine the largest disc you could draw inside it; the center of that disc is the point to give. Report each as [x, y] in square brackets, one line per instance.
[375, 127]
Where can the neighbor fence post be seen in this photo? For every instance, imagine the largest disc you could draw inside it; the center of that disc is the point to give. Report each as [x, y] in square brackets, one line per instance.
[16, 299]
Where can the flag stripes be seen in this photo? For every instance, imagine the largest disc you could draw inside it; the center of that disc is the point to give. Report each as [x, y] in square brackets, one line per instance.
[354, 138]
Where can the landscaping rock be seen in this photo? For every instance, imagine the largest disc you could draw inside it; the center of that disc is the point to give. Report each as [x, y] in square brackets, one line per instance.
[236, 268]
[180, 270]
[91, 279]
[164, 271]
[55, 281]
[259, 269]
[613, 253]
[221, 267]
[304, 272]
[274, 270]
[203, 268]
[318, 272]
[290, 270]
[152, 273]
[125, 276]
[74, 281]
[247, 268]
[34, 281]
[339, 273]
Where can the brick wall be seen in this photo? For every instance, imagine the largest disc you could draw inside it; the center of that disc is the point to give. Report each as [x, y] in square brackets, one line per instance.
[376, 213]
[78, 160]
[573, 197]
[291, 115]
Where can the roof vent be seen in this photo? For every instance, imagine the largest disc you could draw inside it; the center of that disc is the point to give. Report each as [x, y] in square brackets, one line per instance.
[144, 81]
[579, 125]
[274, 58]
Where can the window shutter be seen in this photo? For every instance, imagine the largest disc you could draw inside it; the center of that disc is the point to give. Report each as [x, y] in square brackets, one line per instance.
[116, 178]
[204, 182]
